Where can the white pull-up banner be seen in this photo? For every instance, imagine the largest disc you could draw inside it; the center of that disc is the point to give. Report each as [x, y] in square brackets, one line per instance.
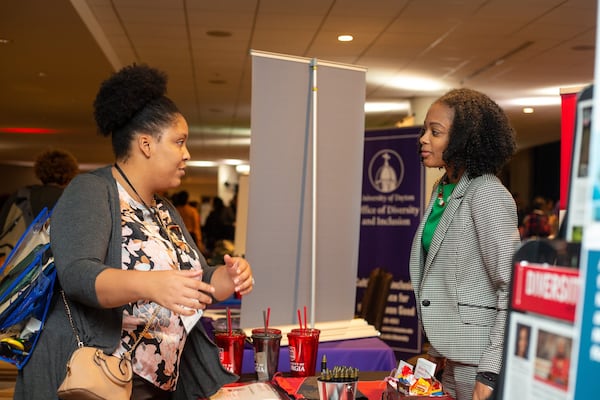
[304, 153]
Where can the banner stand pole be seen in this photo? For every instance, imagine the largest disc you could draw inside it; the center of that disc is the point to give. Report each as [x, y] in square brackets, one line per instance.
[313, 275]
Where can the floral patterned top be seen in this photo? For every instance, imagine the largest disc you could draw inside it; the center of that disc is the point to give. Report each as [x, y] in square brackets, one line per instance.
[146, 248]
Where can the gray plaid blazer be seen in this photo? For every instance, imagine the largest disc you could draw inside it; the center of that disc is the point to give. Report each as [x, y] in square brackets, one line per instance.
[461, 285]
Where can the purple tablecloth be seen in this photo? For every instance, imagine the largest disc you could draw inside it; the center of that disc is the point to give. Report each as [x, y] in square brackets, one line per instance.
[369, 354]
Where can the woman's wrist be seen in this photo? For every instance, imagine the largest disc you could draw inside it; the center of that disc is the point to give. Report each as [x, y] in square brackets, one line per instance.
[490, 379]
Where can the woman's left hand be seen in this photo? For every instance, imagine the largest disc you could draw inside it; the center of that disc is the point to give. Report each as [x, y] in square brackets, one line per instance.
[482, 392]
[240, 273]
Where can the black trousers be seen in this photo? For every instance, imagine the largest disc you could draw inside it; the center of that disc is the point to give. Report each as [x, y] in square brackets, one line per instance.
[144, 390]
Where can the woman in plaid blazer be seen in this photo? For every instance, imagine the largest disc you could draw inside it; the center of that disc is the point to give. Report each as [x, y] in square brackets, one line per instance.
[461, 258]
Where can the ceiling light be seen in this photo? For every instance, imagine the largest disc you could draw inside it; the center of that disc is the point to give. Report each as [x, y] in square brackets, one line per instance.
[4, 41]
[416, 83]
[535, 101]
[528, 110]
[386, 106]
[30, 131]
[232, 161]
[243, 169]
[345, 38]
[202, 164]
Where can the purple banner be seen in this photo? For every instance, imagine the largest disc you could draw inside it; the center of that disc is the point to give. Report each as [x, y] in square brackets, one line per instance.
[391, 209]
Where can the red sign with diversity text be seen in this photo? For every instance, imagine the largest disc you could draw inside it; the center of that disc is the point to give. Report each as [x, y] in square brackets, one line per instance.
[547, 290]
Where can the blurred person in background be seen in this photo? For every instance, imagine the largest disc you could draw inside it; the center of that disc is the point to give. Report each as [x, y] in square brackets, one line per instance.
[54, 168]
[190, 216]
[537, 223]
[219, 225]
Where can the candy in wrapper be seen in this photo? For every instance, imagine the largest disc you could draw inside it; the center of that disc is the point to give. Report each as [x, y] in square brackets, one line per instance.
[422, 387]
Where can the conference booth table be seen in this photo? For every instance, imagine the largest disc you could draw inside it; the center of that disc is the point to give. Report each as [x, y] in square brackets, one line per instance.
[368, 354]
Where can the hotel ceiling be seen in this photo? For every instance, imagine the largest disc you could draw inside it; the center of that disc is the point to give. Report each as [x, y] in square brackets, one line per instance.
[58, 51]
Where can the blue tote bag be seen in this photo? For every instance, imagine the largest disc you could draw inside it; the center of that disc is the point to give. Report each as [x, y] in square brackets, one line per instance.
[27, 280]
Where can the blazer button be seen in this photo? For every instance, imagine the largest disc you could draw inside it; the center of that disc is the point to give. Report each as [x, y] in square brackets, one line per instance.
[426, 303]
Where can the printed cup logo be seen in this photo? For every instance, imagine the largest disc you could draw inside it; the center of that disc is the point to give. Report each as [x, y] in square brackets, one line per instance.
[259, 367]
[227, 365]
[294, 364]
[297, 367]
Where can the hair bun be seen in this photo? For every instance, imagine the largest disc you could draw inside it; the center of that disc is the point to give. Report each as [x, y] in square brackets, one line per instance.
[125, 93]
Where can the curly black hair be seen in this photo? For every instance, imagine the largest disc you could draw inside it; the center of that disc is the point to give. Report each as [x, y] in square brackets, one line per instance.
[133, 100]
[481, 137]
[55, 167]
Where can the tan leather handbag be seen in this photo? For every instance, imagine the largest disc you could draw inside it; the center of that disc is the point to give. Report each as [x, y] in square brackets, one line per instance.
[91, 374]
[94, 375]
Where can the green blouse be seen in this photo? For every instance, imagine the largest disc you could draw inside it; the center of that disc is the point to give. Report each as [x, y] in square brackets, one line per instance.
[444, 191]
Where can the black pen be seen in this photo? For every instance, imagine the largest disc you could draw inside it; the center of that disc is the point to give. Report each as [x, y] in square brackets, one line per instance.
[324, 363]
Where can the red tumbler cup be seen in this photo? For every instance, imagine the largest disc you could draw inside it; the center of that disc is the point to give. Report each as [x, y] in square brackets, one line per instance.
[231, 349]
[303, 346]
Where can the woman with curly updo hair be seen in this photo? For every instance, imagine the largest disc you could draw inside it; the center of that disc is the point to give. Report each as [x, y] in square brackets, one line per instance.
[461, 257]
[131, 274]
[55, 167]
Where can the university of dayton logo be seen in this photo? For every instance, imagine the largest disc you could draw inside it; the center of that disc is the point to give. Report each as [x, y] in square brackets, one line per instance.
[386, 171]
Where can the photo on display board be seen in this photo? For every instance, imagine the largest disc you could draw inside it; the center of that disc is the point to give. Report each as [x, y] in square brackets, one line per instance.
[523, 335]
[552, 361]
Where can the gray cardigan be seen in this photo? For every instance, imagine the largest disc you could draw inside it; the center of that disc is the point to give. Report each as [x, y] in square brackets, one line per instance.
[86, 239]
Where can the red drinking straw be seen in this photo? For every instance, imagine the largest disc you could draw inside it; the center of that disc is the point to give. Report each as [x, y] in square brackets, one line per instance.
[268, 315]
[300, 318]
[229, 321]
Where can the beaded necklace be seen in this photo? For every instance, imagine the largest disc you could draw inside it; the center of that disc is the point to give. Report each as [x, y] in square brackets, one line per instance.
[442, 198]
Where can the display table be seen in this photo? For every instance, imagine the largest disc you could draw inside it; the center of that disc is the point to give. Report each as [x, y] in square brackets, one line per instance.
[368, 354]
[370, 386]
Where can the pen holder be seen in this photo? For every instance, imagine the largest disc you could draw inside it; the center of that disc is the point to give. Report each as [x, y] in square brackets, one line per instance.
[336, 390]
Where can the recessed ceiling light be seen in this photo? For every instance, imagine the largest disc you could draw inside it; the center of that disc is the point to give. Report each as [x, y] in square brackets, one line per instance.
[528, 110]
[345, 38]
[218, 33]
[4, 41]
